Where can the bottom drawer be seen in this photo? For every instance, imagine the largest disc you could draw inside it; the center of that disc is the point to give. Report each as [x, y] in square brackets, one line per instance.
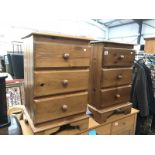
[51, 108]
[114, 96]
[103, 130]
[123, 126]
[126, 132]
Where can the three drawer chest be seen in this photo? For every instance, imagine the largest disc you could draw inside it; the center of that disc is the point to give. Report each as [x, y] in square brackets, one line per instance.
[111, 74]
[56, 77]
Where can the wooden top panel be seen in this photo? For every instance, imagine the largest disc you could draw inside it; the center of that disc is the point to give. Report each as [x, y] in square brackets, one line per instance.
[152, 38]
[107, 43]
[60, 36]
[112, 42]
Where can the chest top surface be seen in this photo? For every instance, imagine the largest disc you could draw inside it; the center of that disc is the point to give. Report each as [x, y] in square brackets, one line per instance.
[59, 35]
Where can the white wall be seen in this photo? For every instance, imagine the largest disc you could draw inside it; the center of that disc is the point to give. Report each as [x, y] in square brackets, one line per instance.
[148, 31]
[127, 33]
[15, 31]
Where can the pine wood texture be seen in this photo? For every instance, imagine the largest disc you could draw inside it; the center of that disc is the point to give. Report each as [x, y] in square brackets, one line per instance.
[116, 77]
[56, 76]
[113, 96]
[117, 124]
[64, 126]
[122, 126]
[59, 35]
[58, 82]
[102, 115]
[117, 57]
[51, 108]
[125, 123]
[149, 45]
[60, 54]
[111, 76]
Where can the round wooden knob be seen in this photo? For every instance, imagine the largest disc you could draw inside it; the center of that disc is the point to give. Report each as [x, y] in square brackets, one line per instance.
[120, 76]
[65, 83]
[66, 56]
[64, 107]
[124, 123]
[42, 84]
[118, 96]
[122, 57]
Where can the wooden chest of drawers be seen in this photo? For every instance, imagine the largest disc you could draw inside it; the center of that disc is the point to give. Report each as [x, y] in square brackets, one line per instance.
[111, 73]
[115, 125]
[56, 76]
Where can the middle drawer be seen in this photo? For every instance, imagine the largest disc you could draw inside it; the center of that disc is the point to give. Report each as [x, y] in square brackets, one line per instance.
[57, 82]
[116, 77]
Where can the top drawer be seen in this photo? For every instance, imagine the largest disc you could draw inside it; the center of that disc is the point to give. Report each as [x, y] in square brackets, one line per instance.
[117, 57]
[61, 54]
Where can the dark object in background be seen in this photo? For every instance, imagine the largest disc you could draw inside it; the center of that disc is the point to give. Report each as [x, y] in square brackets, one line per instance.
[4, 119]
[8, 64]
[15, 64]
[13, 129]
[3, 65]
[142, 47]
[142, 97]
[9, 125]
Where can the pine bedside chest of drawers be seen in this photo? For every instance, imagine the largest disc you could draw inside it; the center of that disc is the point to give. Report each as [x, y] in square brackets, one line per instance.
[111, 74]
[56, 76]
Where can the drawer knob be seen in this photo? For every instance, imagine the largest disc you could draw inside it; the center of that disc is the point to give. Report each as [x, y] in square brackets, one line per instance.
[64, 107]
[121, 56]
[124, 123]
[65, 83]
[120, 76]
[66, 56]
[42, 84]
[118, 96]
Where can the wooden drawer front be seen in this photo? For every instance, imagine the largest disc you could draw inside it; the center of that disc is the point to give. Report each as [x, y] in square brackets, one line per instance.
[84, 133]
[123, 126]
[116, 77]
[124, 132]
[118, 57]
[55, 82]
[103, 130]
[114, 96]
[61, 55]
[58, 107]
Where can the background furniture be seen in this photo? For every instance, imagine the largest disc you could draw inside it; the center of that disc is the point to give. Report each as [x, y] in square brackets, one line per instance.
[9, 125]
[119, 124]
[111, 75]
[15, 92]
[14, 62]
[149, 45]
